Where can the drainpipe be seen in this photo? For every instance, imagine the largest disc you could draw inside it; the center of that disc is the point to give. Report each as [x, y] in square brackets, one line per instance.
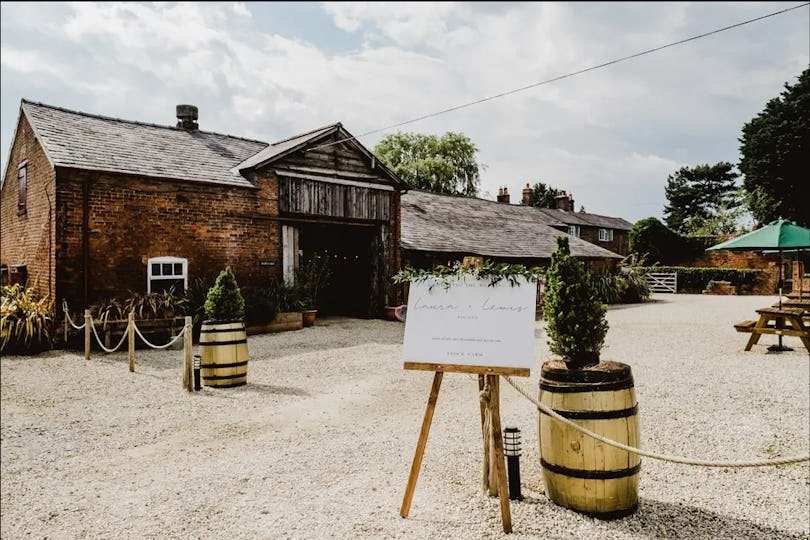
[86, 239]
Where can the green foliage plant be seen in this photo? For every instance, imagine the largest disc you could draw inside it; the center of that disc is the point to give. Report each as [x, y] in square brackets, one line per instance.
[490, 271]
[775, 156]
[696, 196]
[195, 297]
[445, 164]
[544, 196]
[224, 301]
[26, 322]
[166, 304]
[576, 323]
[311, 277]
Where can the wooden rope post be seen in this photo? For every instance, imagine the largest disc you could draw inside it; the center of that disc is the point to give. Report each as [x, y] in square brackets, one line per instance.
[87, 331]
[131, 340]
[188, 368]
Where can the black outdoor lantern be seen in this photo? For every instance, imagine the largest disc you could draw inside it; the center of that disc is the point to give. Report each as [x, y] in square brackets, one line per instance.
[511, 448]
[196, 366]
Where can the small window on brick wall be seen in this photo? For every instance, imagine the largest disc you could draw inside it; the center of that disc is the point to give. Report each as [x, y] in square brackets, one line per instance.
[573, 230]
[22, 183]
[605, 235]
[163, 273]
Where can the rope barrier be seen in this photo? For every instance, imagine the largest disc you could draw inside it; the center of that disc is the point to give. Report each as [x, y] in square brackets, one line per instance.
[166, 346]
[67, 315]
[100, 344]
[674, 459]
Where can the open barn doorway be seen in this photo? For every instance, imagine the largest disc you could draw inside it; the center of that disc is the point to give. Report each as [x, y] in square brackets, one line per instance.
[349, 249]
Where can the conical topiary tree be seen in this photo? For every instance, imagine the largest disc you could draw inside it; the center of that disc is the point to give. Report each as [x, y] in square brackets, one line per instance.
[224, 301]
[576, 324]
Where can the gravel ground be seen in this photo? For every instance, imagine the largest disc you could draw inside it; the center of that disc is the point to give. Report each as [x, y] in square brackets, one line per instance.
[320, 441]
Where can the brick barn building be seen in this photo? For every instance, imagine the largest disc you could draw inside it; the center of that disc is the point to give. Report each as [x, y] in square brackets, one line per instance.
[92, 207]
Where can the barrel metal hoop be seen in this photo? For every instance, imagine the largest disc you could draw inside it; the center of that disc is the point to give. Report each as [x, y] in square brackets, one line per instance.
[243, 383]
[214, 343]
[214, 366]
[596, 415]
[223, 377]
[214, 330]
[586, 375]
[563, 389]
[590, 474]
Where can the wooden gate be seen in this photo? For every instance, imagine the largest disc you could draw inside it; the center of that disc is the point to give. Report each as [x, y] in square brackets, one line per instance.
[663, 282]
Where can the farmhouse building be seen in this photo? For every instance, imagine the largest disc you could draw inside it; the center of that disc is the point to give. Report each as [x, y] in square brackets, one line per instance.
[608, 232]
[93, 207]
[437, 229]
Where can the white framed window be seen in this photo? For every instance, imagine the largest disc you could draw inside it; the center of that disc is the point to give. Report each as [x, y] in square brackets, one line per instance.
[165, 272]
[22, 186]
[573, 230]
[605, 235]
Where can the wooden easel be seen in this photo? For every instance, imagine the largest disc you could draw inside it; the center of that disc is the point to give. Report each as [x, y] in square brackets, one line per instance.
[490, 375]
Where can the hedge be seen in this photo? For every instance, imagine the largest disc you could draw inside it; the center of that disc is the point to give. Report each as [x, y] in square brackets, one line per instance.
[662, 245]
[695, 280]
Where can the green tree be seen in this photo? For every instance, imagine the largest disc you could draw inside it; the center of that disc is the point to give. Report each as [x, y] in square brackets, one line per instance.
[544, 196]
[696, 194]
[224, 301]
[445, 164]
[775, 156]
[576, 324]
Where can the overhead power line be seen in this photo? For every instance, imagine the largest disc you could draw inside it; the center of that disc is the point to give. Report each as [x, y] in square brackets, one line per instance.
[566, 76]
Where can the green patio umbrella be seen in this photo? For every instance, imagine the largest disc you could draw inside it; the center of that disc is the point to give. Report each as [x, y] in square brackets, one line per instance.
[780, 235]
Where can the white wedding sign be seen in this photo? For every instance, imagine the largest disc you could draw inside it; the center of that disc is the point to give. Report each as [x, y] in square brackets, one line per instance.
[471, 323]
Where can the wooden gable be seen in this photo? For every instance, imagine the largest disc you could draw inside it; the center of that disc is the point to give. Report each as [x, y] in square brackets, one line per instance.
[335, 177]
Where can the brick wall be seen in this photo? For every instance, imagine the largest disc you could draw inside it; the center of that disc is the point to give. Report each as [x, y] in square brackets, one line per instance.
[27, 238]
[132, 219]
[750, 260]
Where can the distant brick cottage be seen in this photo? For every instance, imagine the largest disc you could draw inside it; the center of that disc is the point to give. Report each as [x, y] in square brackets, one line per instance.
[95, 206]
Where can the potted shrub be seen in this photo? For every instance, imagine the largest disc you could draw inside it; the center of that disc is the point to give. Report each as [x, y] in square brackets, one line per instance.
[311, 277]
[578, 472]
[223, 341]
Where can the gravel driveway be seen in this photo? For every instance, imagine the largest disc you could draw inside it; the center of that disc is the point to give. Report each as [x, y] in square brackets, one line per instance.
[320, 441]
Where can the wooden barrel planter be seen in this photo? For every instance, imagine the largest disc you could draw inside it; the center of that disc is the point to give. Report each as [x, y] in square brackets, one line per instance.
[580, 472]
[224, 353]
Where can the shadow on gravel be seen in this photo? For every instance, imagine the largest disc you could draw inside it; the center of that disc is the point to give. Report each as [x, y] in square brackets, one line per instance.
[260, 388]
[614, 307]
[657, 519]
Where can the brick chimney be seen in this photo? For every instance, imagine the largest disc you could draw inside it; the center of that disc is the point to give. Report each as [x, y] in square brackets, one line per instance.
[503, 195]
[528, 196]
[564, 201]
[187, 117]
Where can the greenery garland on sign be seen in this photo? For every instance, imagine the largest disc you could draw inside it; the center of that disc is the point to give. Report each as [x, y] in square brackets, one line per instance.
[489, 271]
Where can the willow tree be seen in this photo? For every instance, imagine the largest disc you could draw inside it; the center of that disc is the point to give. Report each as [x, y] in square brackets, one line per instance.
[445, 164]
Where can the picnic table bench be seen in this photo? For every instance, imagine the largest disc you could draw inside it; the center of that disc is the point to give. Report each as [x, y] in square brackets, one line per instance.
[785, 321]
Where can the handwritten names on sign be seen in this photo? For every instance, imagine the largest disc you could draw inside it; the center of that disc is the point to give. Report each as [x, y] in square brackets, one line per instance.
[471, 322]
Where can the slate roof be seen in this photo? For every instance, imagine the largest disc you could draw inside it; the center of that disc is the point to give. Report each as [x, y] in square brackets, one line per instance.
[86, 141]
[588, 220]
[276, 149]
[455, 224]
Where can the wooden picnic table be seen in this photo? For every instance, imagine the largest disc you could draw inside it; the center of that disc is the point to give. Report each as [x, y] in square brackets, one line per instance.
[786, 321]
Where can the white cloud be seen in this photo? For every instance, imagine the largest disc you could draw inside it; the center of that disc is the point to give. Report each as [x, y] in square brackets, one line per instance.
[609, 136]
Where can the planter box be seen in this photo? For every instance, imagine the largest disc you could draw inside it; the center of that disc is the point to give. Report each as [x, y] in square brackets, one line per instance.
[283, 321]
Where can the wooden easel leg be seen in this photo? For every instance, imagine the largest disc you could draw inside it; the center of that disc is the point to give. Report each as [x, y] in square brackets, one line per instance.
[500, 468]
[420, 446]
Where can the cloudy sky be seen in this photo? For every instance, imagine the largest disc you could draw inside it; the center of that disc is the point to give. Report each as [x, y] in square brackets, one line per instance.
[270, 70]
